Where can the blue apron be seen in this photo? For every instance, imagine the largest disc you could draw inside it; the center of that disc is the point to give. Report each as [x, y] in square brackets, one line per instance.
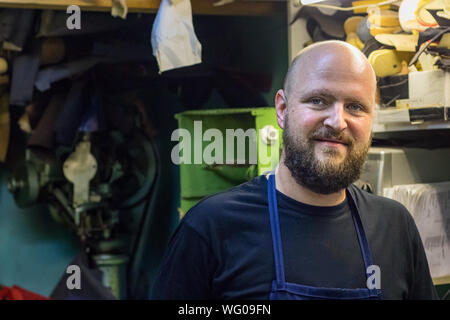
[282, 290]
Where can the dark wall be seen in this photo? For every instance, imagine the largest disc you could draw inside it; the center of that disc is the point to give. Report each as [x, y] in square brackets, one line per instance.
[35, 250]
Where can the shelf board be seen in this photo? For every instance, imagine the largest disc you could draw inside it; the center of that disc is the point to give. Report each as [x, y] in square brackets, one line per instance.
[394, 127]
[202, 7]
[394, 120]
[441, 280]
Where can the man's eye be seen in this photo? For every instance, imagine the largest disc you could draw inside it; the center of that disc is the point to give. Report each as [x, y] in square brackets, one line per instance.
[316, 101]
[355, 107]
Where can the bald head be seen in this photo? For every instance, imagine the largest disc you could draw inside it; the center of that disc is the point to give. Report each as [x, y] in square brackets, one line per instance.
[325, 55]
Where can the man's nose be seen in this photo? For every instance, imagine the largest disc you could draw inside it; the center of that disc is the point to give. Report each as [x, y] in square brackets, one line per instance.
[336, 117]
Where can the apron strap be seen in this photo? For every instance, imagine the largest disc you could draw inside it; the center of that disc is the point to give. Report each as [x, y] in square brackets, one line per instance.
[275, 227]
[276, 234]
[363, 243]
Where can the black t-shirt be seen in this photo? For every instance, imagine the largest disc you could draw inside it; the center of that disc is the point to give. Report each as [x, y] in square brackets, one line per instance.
[222, 248]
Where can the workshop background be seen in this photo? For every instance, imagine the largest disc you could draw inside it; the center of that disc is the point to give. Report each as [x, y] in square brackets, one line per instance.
[87, 117]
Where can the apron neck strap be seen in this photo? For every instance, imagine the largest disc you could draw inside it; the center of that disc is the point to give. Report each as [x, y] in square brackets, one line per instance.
[275, 227]
[363, 243]
[276, 233]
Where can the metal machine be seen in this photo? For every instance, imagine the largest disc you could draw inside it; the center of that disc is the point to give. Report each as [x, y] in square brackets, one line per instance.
[92, 188]
[387, 167]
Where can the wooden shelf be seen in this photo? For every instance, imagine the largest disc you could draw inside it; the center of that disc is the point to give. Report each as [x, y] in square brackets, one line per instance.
[202, 7]
[396, 127]
[441, 280]
[394, 120]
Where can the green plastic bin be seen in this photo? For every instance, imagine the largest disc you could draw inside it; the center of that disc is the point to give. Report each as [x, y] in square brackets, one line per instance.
[221, 148]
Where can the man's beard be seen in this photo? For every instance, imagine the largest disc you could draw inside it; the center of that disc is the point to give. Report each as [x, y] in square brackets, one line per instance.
[324, 177]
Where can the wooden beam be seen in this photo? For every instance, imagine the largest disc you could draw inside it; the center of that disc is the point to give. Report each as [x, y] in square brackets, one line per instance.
[85, 5]
[205, 7]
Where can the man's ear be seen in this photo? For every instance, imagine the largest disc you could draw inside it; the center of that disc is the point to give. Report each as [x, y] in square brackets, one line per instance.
[281, 106]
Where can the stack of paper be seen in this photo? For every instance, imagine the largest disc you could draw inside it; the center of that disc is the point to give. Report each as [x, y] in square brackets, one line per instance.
[429, 204]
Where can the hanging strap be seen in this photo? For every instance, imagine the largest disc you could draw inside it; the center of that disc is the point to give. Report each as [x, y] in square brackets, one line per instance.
[362, 238]
[363, 243]
[275, 227]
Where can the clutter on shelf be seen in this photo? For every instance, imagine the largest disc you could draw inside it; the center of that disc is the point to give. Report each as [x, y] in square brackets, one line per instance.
[407, 42]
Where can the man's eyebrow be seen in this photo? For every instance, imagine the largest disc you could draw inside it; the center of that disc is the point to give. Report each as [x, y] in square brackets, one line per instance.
[329, 95]
[321, 92]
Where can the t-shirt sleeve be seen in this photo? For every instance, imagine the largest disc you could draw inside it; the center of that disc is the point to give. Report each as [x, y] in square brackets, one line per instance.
[187, 267]
[422, 284]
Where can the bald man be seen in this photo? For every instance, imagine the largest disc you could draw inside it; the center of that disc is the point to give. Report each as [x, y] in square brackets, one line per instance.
[304, 231]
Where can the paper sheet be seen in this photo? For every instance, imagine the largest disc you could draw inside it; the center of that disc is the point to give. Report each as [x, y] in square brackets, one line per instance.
[429, 205]
[427, 85]
[173, 39]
